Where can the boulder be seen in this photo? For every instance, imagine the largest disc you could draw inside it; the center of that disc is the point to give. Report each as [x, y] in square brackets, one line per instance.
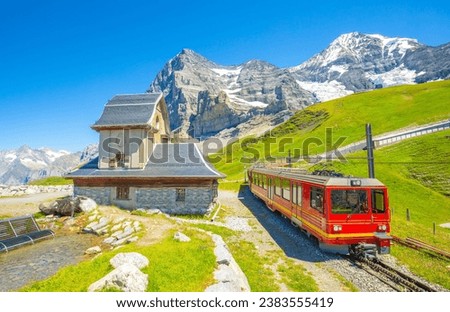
[134, 258]
[93, 250]
[181, 237]
[87, 204]
[126, 277]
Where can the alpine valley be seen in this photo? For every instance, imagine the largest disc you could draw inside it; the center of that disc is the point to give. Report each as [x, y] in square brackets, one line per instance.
[206, 99]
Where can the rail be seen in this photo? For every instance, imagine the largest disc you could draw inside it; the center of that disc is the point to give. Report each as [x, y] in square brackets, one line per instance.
[418, 244]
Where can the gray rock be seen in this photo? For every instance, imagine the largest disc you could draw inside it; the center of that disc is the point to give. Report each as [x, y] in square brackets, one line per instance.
[109, 240]
[221, 251]
[87, 204]
[181, 237]
[134, 258]
[127, 278]
[93, 250]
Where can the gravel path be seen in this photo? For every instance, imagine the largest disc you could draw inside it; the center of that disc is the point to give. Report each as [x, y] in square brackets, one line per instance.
[24, 265]
[28, 204]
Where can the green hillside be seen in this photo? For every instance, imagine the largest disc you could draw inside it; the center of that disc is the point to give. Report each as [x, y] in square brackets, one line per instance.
[386, 109]
[416, 171]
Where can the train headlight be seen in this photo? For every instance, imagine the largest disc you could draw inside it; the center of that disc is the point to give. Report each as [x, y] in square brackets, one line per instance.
[337, 228]
[382, 227]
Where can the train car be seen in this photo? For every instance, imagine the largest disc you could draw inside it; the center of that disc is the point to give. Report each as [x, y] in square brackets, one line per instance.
[341, 212]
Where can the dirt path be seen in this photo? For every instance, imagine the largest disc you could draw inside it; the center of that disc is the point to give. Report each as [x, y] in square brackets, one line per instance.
[275, 233]
[28, 204]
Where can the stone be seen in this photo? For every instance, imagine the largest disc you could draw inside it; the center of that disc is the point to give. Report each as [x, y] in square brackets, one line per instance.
[181, 237]
[116, 227]
[132, 239]
[87, 204]
[126, 277]
[109, 240]
[93, 250]
[221, 251]
[134, 258]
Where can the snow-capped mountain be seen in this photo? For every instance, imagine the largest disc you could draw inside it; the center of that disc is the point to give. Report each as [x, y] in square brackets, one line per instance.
[355, 62]
[204, 98]
[25, 164]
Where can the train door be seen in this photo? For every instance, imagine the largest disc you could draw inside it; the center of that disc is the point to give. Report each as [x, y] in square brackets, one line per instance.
[296, 191]
[270, 187]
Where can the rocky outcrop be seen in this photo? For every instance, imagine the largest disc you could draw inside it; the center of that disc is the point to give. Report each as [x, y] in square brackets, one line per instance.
[68, 206]
[127, 278]
[126, 275]
[203, 97]
[228, 274]
[133, 258]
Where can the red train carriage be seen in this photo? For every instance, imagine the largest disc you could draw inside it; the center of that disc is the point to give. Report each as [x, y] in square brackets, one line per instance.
[340, 212]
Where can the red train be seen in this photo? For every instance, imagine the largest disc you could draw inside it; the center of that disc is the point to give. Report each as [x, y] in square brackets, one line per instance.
[340, 212]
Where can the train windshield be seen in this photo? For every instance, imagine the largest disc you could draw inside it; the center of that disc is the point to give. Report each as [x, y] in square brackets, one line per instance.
[349, 201]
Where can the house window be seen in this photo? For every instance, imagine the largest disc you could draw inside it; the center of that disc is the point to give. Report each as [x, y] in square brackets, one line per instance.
[181, 195]
[123, 192]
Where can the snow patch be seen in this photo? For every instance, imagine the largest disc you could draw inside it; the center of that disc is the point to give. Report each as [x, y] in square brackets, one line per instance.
[227, 71]
[325, 91]
[338, 68]
[241, 101]
[10, 157]
[33, 163]
[397, 76]
[53, 155]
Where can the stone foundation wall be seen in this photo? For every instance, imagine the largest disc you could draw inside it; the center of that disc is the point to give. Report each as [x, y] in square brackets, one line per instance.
[101, 195]
[197, 199]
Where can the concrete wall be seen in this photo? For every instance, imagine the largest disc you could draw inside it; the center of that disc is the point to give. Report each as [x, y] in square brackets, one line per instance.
[197, 199]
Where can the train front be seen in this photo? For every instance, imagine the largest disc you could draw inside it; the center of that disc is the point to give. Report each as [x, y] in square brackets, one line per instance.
[358, 214]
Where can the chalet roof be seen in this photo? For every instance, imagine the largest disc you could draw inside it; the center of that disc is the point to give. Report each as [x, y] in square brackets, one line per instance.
[129, 110]
[179, 160]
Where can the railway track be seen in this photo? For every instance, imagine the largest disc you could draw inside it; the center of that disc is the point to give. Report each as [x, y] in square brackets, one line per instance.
[418, 244]
[389, 275]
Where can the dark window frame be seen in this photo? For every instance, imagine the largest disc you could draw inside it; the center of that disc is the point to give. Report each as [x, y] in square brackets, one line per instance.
[180, 195]
[123, 193]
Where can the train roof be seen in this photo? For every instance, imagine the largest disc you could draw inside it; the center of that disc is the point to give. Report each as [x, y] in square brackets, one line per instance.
[316, 179]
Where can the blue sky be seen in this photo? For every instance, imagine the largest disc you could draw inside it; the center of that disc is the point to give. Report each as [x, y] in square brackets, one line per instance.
[60, 61]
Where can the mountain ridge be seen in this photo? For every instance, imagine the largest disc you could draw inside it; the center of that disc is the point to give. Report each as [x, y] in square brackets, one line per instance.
[208, 99]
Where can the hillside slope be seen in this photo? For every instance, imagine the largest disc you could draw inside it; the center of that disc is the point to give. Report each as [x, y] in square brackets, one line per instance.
[305, 134]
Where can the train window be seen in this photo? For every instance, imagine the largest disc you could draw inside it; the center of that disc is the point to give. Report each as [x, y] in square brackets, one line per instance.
[264, 182]
[349, 201]
[277, 186]
[378, 201]
[316, 199]
[286, 189]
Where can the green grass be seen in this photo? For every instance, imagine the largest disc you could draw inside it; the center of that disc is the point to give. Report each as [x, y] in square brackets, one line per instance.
[259, 269]
[174, 266]
[52, 181]
[296, 278]
[387, 110]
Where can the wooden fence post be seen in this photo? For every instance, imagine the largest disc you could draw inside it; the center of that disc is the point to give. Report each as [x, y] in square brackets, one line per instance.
[408, 215]
[434, 228]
